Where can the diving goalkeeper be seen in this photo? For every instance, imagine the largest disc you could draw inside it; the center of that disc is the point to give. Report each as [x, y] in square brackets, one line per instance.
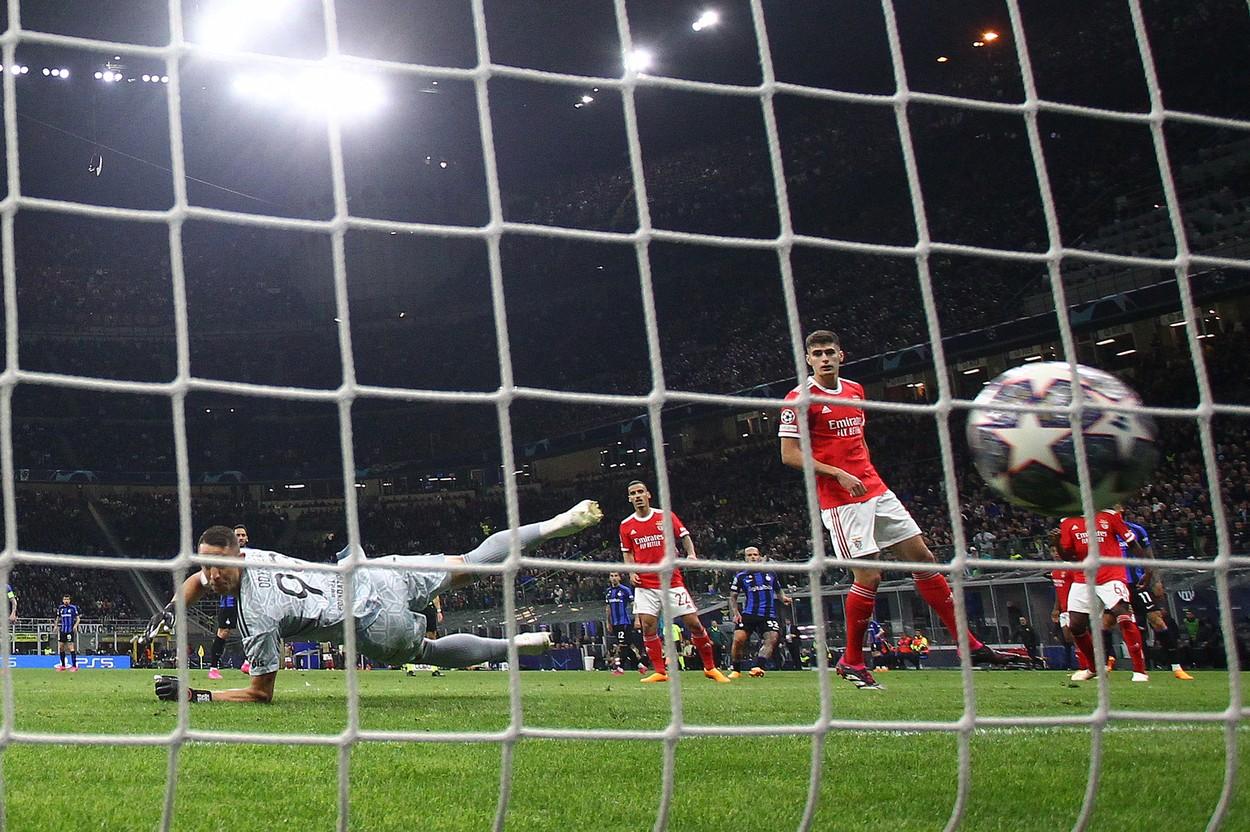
[293, 602]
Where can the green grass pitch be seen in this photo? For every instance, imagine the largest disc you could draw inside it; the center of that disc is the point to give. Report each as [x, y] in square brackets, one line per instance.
[1156, 775]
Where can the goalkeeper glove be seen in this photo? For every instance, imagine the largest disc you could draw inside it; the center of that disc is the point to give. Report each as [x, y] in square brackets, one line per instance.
[167, 689]
[162, 622]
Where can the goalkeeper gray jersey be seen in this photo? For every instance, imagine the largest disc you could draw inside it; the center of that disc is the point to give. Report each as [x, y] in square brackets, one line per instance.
[293, 602]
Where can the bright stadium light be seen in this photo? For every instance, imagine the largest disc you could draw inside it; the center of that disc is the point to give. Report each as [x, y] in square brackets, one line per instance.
[586, 99]
[64, 72]
[47, 71]
[989, 37]
[164, 79]
[231, 23]
[639, 60]
[315, 92]
[706, 20]
[147, 78]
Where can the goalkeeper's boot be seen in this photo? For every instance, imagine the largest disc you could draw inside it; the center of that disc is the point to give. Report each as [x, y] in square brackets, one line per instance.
[735, 675]
[580, 517]
[715, 675]
[1179, 673]
[988, 655]
[653, 678]
[533, 644]
[757, 672]
[214, 673]
[860, 677]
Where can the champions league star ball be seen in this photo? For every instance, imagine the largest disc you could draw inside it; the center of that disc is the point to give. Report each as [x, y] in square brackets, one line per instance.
[1029, 458]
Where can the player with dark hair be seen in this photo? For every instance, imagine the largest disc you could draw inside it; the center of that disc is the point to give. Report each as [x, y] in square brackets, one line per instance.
[1147, 589]
[280, 598]
[862, 515]
[1111, 587]
[758, 616]
[67, 619]
[643, 541]
[227, 614]
[618, 604]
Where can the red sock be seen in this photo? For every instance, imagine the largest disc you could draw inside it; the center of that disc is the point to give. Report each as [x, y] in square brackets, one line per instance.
[704, 645]
[655, 652]
[860, 603]
[937, 594]
[1132, 640]
[1084, 650]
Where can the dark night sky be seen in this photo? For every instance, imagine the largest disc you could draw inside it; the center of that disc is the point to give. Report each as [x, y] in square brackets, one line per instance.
[282, 158]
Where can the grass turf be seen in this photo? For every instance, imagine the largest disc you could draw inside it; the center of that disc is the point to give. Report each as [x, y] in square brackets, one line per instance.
[1157, 773]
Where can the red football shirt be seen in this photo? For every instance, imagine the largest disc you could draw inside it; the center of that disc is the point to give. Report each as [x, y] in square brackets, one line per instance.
[644, 538]
[1111, 530]
[837, 433]
[1063, 583]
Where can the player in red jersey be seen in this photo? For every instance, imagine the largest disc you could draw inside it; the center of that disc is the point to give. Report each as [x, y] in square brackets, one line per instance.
[1111, 587]
[862, 515]
[1062, 579]
[642, 541]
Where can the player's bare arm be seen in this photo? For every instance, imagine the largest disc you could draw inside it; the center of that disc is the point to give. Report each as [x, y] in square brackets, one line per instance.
[792, 456]
[634, 580]
[687, 546]
[733, 608]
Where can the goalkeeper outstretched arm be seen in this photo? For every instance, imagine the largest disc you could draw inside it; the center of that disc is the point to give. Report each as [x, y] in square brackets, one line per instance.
[260, 690]
[163, 621]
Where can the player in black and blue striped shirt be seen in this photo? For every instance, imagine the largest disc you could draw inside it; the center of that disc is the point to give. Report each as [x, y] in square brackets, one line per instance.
[619, 603]
[1147, 589]
[67, 633]
[758, 615]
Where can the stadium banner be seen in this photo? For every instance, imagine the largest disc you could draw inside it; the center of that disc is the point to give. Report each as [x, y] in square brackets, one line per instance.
[84, 662]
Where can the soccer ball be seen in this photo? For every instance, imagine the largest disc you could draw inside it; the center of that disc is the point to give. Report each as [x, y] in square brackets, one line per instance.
[1029, 458]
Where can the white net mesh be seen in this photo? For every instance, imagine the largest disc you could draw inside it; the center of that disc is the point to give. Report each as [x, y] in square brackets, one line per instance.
[184, 383]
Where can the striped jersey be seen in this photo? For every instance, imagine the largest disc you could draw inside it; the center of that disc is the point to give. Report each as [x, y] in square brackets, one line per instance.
[66, 615]
[620, 600]
[761, 590]
[1136, 573]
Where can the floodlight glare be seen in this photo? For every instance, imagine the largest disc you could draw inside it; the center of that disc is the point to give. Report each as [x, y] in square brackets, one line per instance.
[147, 78]
[47, 71]
[706, 20]
[639, 60]
[99, 76]
[164, 79]
[586, 99]
[228, 25]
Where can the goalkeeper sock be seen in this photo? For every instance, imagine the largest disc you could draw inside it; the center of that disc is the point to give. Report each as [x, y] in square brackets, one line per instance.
[1132, 640]
[495, 548]
[860, 602]
[936, 592]
[219, 647]
[463, 650]
[704, 645]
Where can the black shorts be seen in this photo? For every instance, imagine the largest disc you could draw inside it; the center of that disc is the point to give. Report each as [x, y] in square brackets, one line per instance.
[431, 618]
[1143, 605]
[227, 618]
[759, 625]
[67, 638]
[623, 635]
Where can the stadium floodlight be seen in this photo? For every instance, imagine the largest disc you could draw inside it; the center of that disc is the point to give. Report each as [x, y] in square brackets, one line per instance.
[64, 72]
[639, 60]
[228, 25]
[942, 59]
[147, 78]
[47, 71]
[586, 99]
[990, 36]
[706, 20]
[316, 92]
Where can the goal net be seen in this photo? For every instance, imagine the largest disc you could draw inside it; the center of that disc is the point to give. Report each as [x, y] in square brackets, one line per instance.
[643, 226]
